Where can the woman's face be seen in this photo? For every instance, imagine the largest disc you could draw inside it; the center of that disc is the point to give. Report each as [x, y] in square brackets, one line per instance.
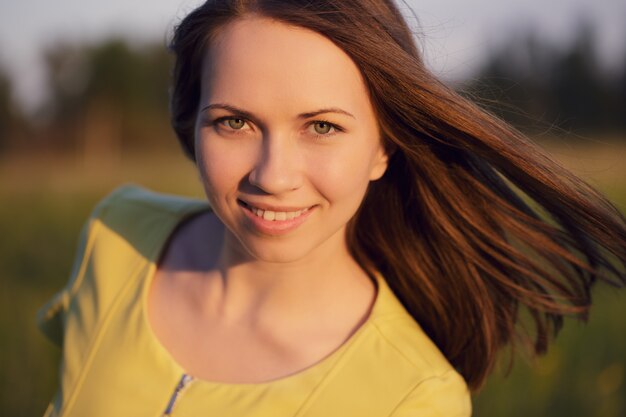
[286, 139]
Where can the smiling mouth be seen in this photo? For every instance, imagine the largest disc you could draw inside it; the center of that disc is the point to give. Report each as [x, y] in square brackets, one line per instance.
[271, 215]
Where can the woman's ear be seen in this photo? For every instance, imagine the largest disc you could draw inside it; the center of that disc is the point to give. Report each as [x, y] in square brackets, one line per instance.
[379, 164]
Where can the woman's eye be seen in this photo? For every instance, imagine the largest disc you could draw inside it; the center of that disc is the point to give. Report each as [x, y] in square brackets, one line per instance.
[230, 125]
[322, 128]
[235, 123]
[325, 129]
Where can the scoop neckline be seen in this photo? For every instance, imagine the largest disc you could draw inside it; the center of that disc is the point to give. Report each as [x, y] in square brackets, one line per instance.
[322, 365]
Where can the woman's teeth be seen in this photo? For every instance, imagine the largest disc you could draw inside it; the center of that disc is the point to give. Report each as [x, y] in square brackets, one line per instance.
[276, 215]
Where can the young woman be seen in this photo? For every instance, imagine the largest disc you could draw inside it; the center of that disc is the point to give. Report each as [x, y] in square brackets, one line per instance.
[366, 247]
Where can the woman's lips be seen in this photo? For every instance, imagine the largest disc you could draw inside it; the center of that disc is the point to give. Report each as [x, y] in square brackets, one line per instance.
[277, 220]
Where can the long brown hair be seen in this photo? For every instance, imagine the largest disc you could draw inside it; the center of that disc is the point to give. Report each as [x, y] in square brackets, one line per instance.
[478, 221]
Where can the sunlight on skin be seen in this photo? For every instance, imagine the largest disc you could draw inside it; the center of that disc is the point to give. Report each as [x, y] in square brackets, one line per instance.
[286, 127]
[275, 73]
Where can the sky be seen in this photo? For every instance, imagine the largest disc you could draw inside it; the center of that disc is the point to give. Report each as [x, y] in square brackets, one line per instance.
[456, 34]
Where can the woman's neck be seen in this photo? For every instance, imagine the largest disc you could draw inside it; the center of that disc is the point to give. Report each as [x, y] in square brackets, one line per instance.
[234, 287]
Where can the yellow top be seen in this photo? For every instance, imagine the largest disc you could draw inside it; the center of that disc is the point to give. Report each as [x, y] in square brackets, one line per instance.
[113, 365]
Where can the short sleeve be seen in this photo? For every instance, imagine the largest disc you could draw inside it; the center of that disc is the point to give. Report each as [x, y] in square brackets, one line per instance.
[121, 210]
[50, 316]
[446, 395]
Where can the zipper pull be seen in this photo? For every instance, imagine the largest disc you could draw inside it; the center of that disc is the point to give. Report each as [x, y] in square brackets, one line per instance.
[184, 381]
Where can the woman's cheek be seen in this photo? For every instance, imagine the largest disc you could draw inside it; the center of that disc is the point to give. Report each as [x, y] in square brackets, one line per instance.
[222, 166]
[340, 179]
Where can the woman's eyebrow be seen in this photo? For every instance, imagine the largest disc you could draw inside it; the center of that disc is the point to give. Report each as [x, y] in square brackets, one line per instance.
[251, 116]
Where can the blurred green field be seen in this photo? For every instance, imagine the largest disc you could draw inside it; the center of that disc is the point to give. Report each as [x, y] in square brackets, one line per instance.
[44, 201]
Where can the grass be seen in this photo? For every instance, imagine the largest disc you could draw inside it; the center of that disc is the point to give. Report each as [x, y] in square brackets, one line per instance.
[45, 200]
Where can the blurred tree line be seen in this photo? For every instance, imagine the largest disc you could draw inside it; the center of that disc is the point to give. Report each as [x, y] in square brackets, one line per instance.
[544, 89]
[10, 118]
[102, 98]
[107, 97]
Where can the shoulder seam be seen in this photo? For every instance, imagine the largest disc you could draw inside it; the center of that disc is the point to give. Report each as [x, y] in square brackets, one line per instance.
[118, 196]
[94, 223]
[160, 208]
[417, 384]
[408, 359]
[95, 341]
[93, 227]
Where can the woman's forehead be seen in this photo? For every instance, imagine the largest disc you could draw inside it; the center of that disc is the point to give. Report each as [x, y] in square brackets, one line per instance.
[272, 60]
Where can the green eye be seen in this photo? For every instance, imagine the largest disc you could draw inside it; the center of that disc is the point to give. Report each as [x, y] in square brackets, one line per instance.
[236, 123]
[322, 127]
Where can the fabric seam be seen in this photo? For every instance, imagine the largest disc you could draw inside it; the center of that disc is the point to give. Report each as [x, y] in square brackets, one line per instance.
[330, 374]
[393, 345]
[416, 386]
[94, 345]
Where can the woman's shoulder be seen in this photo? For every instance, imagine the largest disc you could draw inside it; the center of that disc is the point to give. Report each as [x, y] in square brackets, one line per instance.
[129, 199]
[399, 330]
[435, 387]
[405, 370]
[126, 230]
[432, 386]
[140, 216]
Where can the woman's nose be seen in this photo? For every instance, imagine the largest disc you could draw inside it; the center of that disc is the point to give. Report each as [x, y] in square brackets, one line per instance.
[277, 169]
